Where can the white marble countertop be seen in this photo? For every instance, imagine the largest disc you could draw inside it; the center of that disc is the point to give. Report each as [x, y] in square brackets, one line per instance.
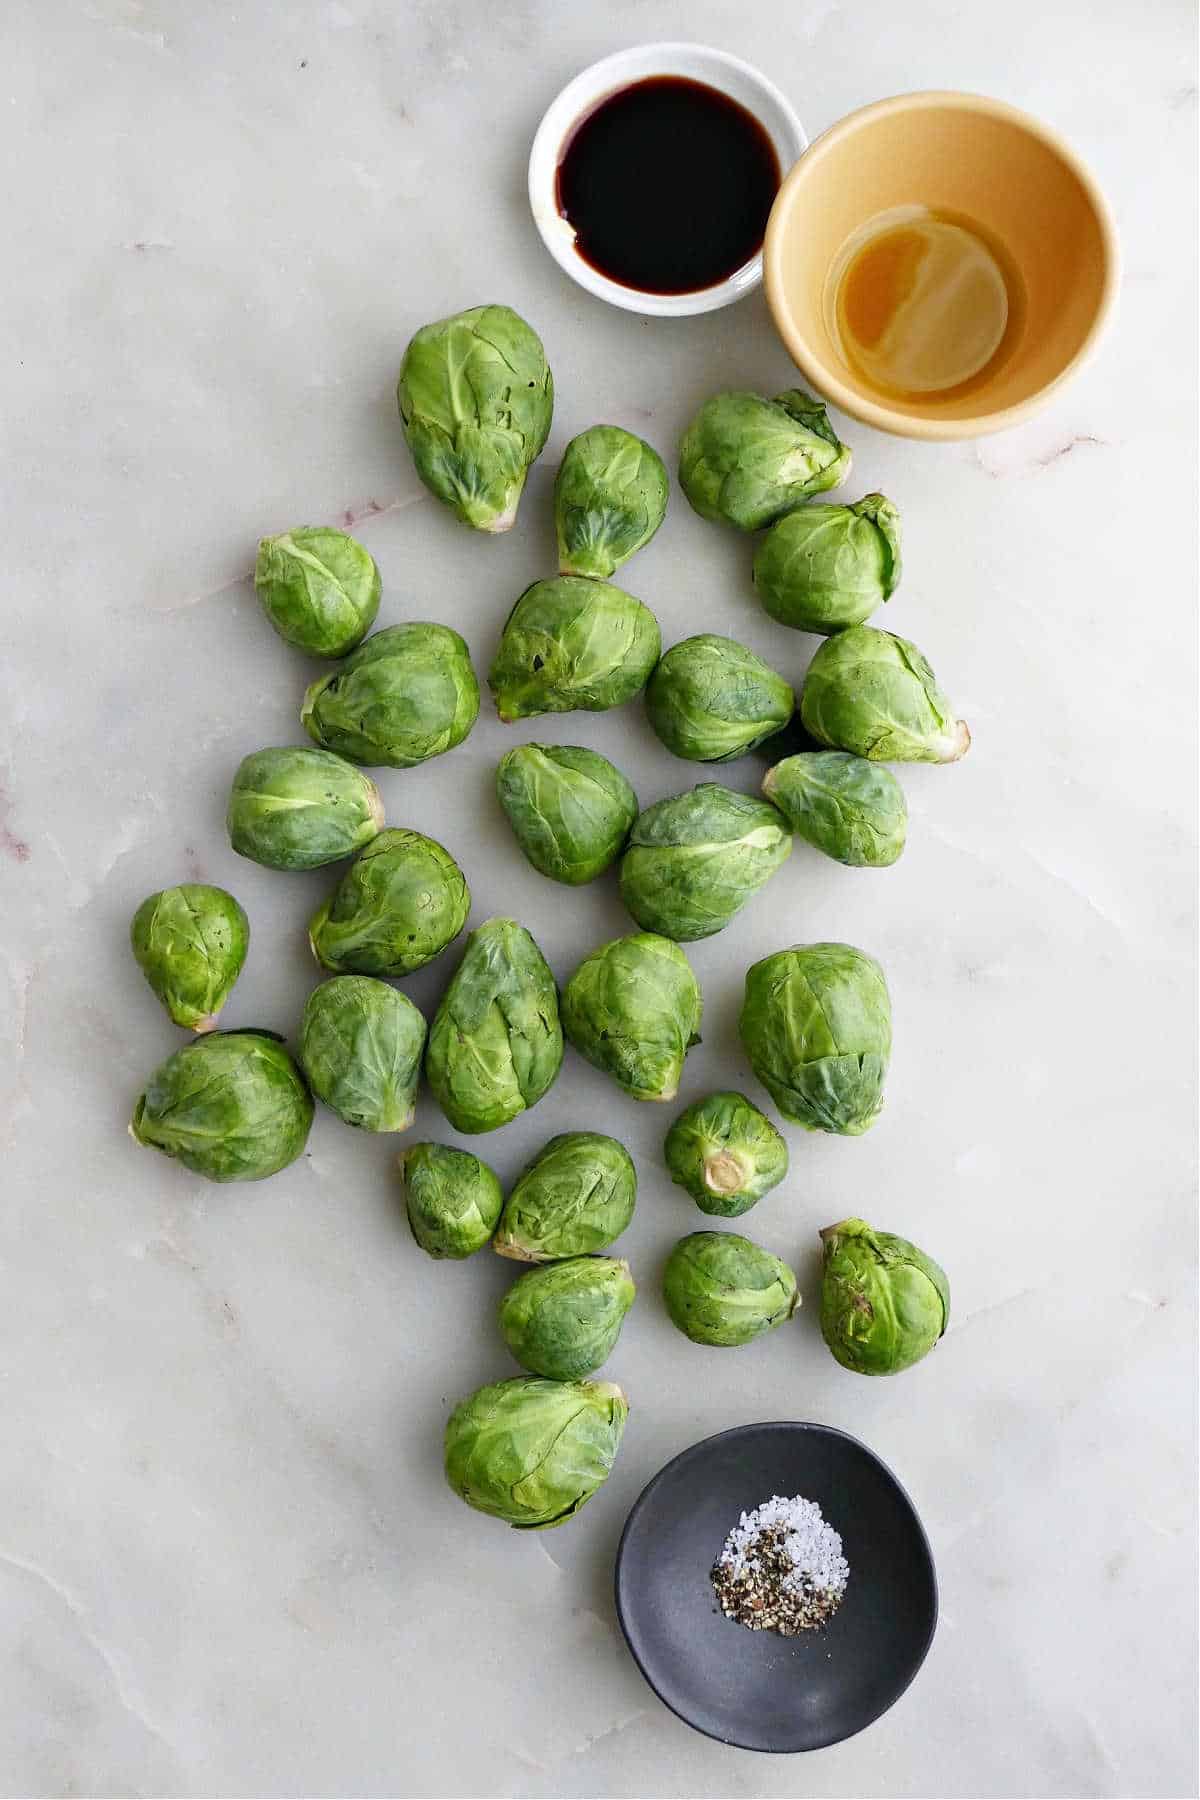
[228, 1565]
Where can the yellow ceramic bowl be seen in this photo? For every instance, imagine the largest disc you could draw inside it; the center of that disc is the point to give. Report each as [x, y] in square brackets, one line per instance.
[975, 158]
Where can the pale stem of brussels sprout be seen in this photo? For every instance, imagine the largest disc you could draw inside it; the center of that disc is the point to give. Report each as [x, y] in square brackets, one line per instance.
[958, 743]
[506, 520]
[515, 1252]
[724, 1173]
[375, 808]
[611, 1389]
[207, 1023]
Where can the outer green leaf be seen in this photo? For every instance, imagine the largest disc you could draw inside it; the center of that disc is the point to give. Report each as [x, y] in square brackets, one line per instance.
[746, 460]
[610, 497]
[533, 1452]
[190, 943]
[723, 1289]
[476, 398]
[875, 694]
[563, 1319]
[633, 1009]
[360, 1047]
[726, 1153]
[823, 568]
[296, 808]
[693, 861]
[575, 1196]
[711, 699]
[495, 1046]
[816, 1025]
[884, 1303]
[407, 694]
[569, 808]
[572, 645]
[850, 808]
[397, 907]
[231, 1106]
[319, 588]
[453, 1199]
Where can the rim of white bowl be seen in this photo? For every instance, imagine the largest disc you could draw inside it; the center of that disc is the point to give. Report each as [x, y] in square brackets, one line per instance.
[730, 75]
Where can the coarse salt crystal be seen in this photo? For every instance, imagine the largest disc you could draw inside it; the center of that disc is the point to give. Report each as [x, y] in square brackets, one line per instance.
[812, 1546]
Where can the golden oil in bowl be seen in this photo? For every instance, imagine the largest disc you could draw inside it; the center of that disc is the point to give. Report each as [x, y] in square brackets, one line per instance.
[921, 303]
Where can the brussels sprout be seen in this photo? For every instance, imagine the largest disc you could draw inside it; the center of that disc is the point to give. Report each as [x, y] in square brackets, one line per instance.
[726, 1154]
[476, 397]
[884, 1303]
[873, 693]
[576, 1196]
[610, 497]
[495, 1045]
[533, 1452]
[190, 943]
[848, 807]
[231, 1105]
[569, 808]
[562, 1320]
[817, 1026]
[711, 700]
[747, 461]
[825, 567]
[723, 1289]
[360, 1048]
[300, 809]
[407, 694]
[397, 907]
[693, 861]
[632, 1008]
[453, 1199]
[319, 588]
[572, 645]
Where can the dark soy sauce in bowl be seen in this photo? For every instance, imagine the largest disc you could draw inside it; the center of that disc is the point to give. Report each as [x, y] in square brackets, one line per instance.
[667, 184]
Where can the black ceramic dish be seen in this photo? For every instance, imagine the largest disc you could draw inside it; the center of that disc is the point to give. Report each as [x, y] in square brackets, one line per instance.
[753, 1688]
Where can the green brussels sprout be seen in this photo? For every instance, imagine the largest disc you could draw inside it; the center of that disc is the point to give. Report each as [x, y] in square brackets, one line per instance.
[726, 1154]
[633, 1008]
[746, 460]
[397, 907]
[873, 693]
[884, 1303]
[299, 809]
[850, 808]
[563, 1319]
[360, 1048]
[319, 588]
[407, 694]
[476, 398]
[495, 1045]
[453, 1199]
[190, 943]
[823, 568]
[572, 645]
[711, 700]
[816, 1025]
[575, 1196]
[723, 1289]
[610, 497]
[533, 1452]
[569, 808]
[693, 861]
[231, 1105]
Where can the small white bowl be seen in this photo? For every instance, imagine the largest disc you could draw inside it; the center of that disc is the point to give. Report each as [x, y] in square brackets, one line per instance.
[696, 62]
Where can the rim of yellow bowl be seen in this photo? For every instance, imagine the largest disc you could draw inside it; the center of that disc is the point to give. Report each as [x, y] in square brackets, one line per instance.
[851, 399]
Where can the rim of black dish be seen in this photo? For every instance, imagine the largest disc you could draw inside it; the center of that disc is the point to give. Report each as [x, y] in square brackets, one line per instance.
[692, 1451]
